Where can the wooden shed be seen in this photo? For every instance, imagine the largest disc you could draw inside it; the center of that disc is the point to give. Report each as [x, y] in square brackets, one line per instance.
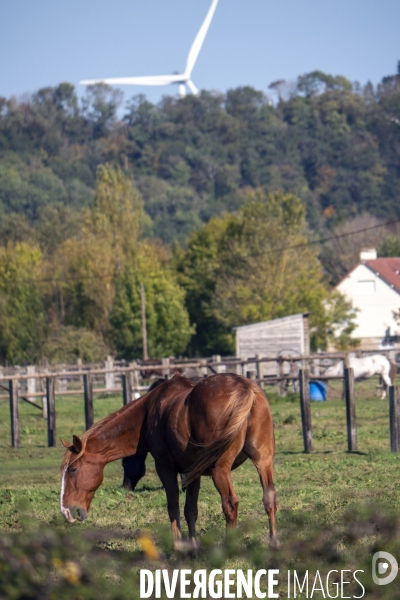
[288, 336]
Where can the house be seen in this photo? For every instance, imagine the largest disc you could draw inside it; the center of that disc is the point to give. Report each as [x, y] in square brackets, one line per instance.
[373, 286]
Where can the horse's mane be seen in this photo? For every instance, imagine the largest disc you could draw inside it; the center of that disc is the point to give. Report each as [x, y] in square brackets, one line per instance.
[70, 456]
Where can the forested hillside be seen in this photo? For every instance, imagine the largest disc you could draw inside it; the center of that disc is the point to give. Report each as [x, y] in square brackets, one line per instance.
[92, 203]
[333, 144]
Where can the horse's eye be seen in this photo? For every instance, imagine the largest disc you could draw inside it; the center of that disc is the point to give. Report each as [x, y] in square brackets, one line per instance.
[72, 469]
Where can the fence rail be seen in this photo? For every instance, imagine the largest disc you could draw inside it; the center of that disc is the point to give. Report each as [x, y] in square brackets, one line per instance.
[133, 378]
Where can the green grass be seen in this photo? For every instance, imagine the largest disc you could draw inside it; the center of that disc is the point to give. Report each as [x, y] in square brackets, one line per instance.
[321, 497]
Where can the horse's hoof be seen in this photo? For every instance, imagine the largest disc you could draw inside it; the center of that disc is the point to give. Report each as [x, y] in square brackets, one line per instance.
[186, 547]
[274, 543]
[195, 547]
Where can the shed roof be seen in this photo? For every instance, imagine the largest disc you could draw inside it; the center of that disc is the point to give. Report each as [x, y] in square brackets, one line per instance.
[270, 323]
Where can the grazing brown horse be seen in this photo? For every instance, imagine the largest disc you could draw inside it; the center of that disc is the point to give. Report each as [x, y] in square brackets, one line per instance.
[205, 429]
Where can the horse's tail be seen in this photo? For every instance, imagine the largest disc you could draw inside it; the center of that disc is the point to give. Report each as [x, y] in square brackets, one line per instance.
[230, 422]
[393, 370]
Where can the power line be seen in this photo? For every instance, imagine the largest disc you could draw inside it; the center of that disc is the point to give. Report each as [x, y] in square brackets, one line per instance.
[334, 237]
[272, 251]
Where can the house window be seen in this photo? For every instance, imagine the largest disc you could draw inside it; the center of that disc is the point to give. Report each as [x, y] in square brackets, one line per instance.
[366, 287]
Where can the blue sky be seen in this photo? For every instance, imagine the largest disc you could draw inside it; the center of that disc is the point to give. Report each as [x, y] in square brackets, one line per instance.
[250, 42]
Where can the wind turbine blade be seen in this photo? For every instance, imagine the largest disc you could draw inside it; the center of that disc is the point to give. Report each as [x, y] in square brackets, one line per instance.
[192, 87]
[150, 80]
[199, 39]
[182, 90]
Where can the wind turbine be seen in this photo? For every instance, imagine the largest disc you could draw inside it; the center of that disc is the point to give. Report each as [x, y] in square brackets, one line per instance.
[182, 79]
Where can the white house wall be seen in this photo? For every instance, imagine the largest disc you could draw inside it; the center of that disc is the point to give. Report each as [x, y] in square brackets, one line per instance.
[376, 301]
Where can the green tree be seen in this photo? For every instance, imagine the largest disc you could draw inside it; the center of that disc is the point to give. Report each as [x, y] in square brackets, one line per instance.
[337, 325]
[21, 309]
[56, 224]
[65, 344]
[83, 268]
[168, 327]
[390, 246]
[254, 266]
[117, 214]
[198, 269]
[100, 106]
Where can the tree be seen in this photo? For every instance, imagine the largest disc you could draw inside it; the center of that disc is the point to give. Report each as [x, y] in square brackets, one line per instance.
[254, 266]
[100, 105]
[318, 82]
[168, 327]
[117, 214]
[83, 268]
[198, 268]
[21, 310]
[56, 224]
[337, 325]
[390, 246]
[342, 253]
[65, 344]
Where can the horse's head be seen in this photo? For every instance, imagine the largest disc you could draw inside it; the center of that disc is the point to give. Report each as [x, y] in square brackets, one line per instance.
[82, 473]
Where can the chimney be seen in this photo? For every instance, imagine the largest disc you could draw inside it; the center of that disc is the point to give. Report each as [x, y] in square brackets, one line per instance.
[368, 254]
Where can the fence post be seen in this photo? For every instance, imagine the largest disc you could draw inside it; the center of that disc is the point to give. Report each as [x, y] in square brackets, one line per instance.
[109, 377]
[79, 367]
[350, 410]
[394, 415]
[203, 367]
[305, 410]
[245, 362]
[62, 382]
[126, 388]
[281, 382]
[346, 365]
[88, 396]
[317, 368]
[44, 397]
[260, 370]
[135, 377]
[31, 383]
[239, 368]
[165, 368]
[51, 412]
[216, 358]
[15, 436]
[251, 375]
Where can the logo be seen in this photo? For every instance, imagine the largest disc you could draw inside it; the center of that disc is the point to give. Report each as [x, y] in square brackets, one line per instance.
[385, 564]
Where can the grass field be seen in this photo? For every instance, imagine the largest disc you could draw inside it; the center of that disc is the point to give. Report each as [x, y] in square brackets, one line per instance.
[335, 508]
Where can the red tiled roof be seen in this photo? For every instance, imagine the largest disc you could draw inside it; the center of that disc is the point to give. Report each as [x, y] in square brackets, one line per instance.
[388, 269]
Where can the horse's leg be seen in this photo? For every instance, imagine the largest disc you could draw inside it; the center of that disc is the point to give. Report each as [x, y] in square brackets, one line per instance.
[192, 496]
[265, 471]
[386, 384]
[169, 480]
[134, 469]
[221, 475]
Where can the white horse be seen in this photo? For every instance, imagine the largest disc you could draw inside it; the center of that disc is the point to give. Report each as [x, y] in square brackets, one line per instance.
[365, 367]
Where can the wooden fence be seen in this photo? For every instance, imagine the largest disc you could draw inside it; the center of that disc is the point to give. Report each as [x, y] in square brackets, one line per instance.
[132, 378]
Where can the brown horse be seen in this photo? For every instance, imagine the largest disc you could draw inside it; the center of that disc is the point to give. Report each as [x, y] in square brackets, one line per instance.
[205, 429]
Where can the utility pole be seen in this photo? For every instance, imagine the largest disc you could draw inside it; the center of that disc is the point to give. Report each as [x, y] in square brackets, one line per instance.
[144, 327]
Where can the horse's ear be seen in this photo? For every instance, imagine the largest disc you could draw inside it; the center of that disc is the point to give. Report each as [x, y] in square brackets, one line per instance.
[77, 444]
[64, 443]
